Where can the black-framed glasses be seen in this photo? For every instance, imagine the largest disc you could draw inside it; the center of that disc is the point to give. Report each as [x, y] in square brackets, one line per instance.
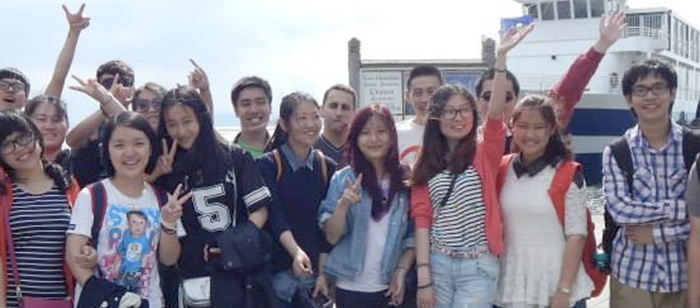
[9, 147]
[142, 105]
[486, 96]
[16, 85]
[657, 89]
[451, 114]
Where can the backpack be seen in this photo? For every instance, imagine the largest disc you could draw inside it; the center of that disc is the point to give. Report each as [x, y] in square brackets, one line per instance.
[563, 178]
[99, 207]
[320, 156]
[623, 157]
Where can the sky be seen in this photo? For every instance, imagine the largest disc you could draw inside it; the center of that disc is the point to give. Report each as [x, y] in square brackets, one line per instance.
[295, 45]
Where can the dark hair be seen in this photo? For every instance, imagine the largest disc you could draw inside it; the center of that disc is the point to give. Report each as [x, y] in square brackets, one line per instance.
[132, 120]
[57, 103]
[13, 73]
[114, 67]
[361, 165]
[288, 106]
[15, 122]
[642, 70]
[137, 213]
[434, 155]
[424, 70]
[247, 82]
[208, 154]
[152, 87]
[344, 88]
[556, 149]
[489, 74]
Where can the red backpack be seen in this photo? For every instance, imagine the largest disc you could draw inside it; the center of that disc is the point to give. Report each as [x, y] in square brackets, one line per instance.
[557, 192]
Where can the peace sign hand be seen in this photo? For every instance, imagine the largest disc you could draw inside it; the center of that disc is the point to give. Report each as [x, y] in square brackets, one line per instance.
[351, 194]
[165, 161]
[172, 211]
[77, 21]
[198, 78]
[123, 94]
[513, 38]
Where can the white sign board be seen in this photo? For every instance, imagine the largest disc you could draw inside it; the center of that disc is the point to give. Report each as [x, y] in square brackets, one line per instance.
[382, 87]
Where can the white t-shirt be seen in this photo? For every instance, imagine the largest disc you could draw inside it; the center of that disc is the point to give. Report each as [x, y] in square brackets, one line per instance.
[127, 242]
[410, 137]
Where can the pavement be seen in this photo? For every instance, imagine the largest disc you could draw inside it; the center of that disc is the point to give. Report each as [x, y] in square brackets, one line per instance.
[602, 301]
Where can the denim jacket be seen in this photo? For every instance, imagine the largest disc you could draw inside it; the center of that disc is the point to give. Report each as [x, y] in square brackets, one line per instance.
[348, 255]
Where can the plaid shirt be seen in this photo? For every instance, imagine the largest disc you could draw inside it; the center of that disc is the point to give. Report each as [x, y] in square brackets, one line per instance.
[658, 186]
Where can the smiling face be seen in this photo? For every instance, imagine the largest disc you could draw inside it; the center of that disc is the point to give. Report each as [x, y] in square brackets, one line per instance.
[531, 133]
[304, 125]
[253, 109]
[419, 92]
[13, 94]
[148, 105]
[182, 125]
[51, 124]
[374, 140]
[651, 99]
[21, 151]
[129, 151]
[456, 119]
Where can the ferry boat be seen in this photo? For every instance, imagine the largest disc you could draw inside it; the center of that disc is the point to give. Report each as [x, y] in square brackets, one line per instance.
[567, 28]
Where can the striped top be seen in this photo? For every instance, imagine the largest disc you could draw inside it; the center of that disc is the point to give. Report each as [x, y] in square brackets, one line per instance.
[39, 224]
[460, 222]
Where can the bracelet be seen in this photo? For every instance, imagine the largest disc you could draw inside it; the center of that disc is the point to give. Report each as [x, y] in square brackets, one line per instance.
[104, 113]
[427, 285]
[422, 265]
[169, 225]
[167, 230]
[563, 290]
[498, 70]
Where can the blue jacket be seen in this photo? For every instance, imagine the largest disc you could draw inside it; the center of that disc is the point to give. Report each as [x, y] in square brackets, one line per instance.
[347, 257]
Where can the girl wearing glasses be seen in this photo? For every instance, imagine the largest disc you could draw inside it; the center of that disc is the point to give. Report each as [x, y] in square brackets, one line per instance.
[454, 200]
[50, 115]
[35, 206]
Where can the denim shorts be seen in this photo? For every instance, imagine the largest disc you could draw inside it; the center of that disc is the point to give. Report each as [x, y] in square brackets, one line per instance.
[464, 282]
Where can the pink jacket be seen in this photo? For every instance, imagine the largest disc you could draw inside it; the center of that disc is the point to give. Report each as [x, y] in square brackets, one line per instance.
[486, 161]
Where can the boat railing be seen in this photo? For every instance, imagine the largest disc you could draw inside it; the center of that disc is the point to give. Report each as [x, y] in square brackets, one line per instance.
[653, 33]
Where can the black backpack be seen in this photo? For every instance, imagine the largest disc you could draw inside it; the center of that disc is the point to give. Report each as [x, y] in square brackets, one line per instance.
[621, 154]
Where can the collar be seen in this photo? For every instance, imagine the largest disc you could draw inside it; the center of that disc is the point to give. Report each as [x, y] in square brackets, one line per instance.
[323, 139]
[237, 140]
[294, 161]
[675, 134]
[532, 168]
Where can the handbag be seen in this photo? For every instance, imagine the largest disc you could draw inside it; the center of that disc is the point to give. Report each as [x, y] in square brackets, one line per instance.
[26, 301]
[196, 292]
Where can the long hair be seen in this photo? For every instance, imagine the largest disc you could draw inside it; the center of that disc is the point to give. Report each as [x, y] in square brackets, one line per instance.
[288, 107]
[133, 120]
[361, 165]
[556, 149]
[15, 122]
[434, 155]
[208, 153]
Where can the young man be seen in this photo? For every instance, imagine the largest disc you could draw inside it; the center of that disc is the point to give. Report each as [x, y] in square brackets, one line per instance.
[648, 251]
[338, 110]
[422, 82]
[14, 89]
[252, 102]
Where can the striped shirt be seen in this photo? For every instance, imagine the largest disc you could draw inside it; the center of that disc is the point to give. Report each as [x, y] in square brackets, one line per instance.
[658, 199]
[39, 224]
[460, 222]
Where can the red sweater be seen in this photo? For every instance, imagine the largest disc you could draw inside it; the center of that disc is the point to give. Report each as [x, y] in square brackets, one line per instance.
[486, 162]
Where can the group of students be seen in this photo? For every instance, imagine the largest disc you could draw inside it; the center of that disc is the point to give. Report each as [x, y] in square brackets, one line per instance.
[337, 203]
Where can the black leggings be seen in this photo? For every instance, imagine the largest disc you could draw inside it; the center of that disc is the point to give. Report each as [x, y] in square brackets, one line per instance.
[352, 299]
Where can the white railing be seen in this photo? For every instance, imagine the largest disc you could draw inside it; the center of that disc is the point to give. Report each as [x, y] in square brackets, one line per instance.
[652, 33]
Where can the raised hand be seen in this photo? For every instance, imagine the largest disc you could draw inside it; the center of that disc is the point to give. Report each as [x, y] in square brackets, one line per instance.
[165, 161]
[513, 38]
[123, 94]
[172, 211]
[94, 89]
[77, 21]
[198, 78]
[611, 28]
[351, 194]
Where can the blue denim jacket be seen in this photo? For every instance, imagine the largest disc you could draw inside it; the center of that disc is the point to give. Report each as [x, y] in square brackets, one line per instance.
[347, 257]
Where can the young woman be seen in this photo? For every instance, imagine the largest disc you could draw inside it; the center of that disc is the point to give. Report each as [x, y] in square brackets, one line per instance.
[454, 200]
[37, 196]
[50, 116]
[298, 177]
[365, 215]
[134, 233]
[228, 193]
[540, 265]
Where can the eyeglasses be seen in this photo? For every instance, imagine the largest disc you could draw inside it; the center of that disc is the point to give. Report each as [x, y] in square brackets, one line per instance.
[657, 89]
[451, 114]
[486, 96]
[16, 85]
[11, 146]
[143, 105]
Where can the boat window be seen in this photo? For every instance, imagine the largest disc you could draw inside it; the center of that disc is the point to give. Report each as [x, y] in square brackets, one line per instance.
[564, 9]
[581, 8]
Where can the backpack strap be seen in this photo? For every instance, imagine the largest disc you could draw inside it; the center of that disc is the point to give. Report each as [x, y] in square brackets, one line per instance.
[324, 165]
[691, 147]
[99, 207]
[278, 162]
[621, 153]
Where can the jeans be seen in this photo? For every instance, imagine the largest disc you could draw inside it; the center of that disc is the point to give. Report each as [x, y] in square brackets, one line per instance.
[579, 304]
[464, 282]
[292, 291]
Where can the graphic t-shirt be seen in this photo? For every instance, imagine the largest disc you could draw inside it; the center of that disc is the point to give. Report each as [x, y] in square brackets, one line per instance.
[128, 240]
[410, 136]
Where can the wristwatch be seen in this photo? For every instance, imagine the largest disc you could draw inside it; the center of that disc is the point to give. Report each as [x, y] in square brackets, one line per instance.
[563, 290]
